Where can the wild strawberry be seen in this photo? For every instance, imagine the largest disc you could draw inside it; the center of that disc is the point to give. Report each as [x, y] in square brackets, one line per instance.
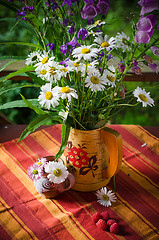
[114, 228]
[105, 215]
[110, 222]
[96, 216]
[102, 224]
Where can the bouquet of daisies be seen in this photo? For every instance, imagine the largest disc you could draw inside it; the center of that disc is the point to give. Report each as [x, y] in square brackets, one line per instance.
[77, 68]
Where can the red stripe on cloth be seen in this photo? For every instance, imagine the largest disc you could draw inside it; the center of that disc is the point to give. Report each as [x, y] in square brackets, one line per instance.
[142, 168]
[138, 198]
[136, 143]
[55, 132]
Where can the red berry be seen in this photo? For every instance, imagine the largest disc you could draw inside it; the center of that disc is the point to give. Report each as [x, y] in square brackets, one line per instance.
[96, 217]
[114, 228]
[105, 215]
[110, 222]
[102, 224]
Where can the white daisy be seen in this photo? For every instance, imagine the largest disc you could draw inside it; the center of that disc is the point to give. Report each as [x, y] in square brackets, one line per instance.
[52, 73]
[96, 24]
[105, 42]
[42, 161]
[42, 73]
[110, 75]
[121, 41]
[105, 197]
[63, 71]
[64, 114]
[66, 92]
[48, 97]
[73, 65]
[32, 58]
[44, 60]
[90, 67]
[94, 34]
[143, 97]
[57, 172]
[95, 81]
[85, 52]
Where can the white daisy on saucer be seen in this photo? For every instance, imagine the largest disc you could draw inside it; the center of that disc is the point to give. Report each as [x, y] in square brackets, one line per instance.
[105, 42]
[95, 81]
[105, 197]
[85, 52]
[143, 97]
[48, 97]
[57, 172]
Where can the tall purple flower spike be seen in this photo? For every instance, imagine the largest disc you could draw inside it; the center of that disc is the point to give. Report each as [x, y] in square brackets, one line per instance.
[148, 6]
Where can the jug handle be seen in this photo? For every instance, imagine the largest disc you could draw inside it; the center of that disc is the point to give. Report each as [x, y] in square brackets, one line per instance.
[113, 141]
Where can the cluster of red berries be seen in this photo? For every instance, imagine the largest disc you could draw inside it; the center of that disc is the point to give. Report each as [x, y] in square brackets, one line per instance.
[104, 222]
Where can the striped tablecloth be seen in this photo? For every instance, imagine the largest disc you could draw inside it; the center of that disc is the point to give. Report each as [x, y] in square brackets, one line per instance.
[24, 214]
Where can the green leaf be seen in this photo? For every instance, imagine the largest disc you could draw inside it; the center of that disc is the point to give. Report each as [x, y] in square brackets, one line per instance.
[36, 79]
[64, 139]
[40, 120]
[9, 5]
[18, 103]
[13, 74]
[15, 86]
[23, 43]
[31, 106]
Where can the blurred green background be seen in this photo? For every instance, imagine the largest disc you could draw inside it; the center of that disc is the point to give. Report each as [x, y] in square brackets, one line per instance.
[120, 15]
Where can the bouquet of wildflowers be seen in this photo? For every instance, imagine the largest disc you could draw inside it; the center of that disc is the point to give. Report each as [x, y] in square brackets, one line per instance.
[77, 68]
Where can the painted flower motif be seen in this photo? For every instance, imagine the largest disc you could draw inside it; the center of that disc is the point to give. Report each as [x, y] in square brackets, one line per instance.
[35, 171]
[57, 172]
[143, 97]
[48, 97]
[105, 197]
[85, 52]
[95, 81]
[78, 157]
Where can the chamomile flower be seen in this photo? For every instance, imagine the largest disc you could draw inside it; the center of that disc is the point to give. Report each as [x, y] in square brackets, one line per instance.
[57, 172]
[42, 161]
[143, 97]
[35, 171]
[44, 60]
[48, 97]
[64, 114]
[122, 41]
[66, 92]
[63, 71]
[105, 197]
[94, 34]
[86, 68]
[95, 81]
[85, 52]
[52, 73]
[110, 75]
[73, 65]
[96, 24]
[42, 73]
[32, 58]
[105, 42]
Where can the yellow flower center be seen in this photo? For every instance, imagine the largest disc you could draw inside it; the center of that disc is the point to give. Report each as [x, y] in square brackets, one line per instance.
[76, 64]
[143, 97]
[43, 71]
[48, 95]
[124, 40]
[39, 163]
[52, 70]
[105, 44]
[97, 22]
[44, 60]
[65, 90]
[35, 171]
[85, 51]
[63, 69]
[57, 172]
[105, 197]
[95, 80]
[111, 78]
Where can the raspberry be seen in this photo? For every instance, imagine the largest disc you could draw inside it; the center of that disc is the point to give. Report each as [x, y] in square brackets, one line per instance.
[101, 224]
[105, 215]
[96, 217]
[114, 228]
[110, 222]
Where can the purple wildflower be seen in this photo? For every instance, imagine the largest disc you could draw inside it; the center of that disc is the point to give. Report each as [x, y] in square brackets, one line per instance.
[89, 12]
[103, 6]
[71, 30]
[122, 93]
[64, 49]
[137, 70]
[142, 37]
[147, 59]
[148, 6]
[73, 42]
[155, 50]
[121, 67]
[64, 62]
[51, 46]
[83, 32]
[153, 66]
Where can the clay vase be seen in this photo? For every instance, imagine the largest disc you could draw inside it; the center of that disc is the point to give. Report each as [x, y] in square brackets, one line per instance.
[49, 189]
[93, 157]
